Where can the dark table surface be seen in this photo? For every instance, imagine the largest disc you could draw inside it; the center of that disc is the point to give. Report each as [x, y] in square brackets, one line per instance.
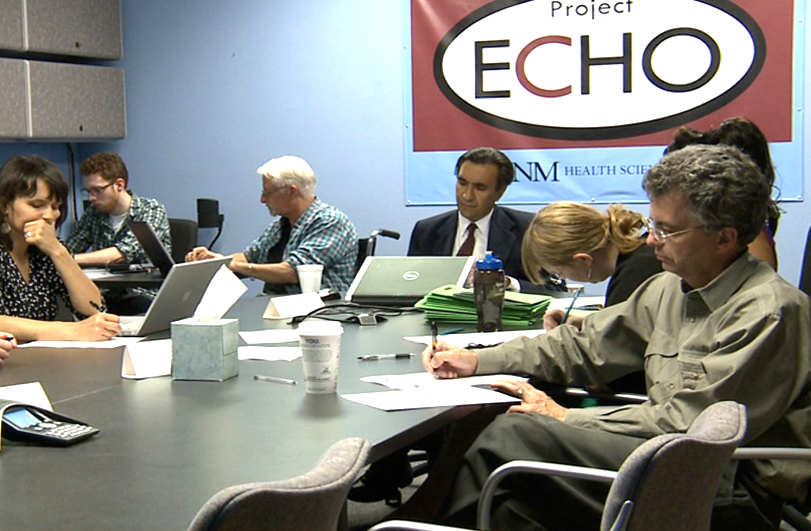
[166, 446]
[139, 279]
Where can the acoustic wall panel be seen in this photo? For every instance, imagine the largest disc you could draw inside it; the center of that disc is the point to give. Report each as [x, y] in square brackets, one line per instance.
[76, 102]
[13, 104]
[82, 28]
[11, 25]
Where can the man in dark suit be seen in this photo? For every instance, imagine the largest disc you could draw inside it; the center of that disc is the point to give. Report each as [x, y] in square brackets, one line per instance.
[479, 225]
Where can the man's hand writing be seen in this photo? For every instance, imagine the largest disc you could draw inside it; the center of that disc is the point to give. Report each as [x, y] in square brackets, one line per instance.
[449, 361]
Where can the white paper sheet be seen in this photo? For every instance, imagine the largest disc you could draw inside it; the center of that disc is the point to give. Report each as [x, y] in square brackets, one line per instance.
[222, 292]
[477, 338]
[426, 397]
[269, 353]
[563, 304]
[27, 393]
[289, 306]
[149, 359]
[110, 343]
[425, 379]
[270, 336]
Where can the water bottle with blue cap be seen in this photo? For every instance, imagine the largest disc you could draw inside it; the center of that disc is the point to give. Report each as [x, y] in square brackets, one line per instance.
[489, 284]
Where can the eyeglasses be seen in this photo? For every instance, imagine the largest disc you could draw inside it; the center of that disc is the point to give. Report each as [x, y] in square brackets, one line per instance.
[660, 236]
[269, 193]
[96, 190]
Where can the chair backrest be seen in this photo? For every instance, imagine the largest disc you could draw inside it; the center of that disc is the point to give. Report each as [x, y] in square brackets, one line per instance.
[672, 479]
[311, 501]
[367, 246]
[805, 274]
[184, 237]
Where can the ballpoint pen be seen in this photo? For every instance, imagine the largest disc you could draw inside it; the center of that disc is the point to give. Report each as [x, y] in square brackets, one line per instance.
[377, 357]
[96, 306]
[571, 305]
[452, 331]
[434, 334]
[275, 379]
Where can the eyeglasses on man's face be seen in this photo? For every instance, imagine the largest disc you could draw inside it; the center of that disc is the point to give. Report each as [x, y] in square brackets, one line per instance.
[96, 191]
[660, 236]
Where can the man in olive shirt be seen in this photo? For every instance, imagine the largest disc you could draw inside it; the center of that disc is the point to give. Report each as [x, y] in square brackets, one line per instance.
[719, 324]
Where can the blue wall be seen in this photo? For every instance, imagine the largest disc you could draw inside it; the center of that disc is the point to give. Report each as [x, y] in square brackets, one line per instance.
[215, 88]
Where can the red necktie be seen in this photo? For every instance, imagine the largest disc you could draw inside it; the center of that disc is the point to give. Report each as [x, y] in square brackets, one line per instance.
[467, 246]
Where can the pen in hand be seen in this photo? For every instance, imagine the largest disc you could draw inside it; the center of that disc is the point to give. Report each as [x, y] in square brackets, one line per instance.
[434, 336]
[571, 305]
[96, 307]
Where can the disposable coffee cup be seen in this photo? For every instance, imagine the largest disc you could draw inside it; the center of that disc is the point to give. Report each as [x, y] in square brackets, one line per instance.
[309, 277]
[320, 354]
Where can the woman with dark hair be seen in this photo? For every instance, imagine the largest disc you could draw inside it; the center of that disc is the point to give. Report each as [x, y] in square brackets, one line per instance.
[747, 137]
[35, 268]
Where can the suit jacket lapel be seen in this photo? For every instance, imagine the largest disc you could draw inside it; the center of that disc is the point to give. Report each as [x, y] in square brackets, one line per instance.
[501, 238]
[446, 234]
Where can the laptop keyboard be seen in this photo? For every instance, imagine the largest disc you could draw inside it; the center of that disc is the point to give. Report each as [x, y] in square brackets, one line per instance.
[130, 324]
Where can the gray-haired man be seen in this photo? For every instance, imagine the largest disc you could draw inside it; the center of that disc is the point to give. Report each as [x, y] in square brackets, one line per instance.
[719, 324]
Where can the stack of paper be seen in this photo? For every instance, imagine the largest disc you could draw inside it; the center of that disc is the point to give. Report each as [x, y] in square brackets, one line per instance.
[452, 304]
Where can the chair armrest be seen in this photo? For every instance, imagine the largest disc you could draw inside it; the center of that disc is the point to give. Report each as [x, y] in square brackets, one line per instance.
[533, 467]
[620, 398]
[404, 525]
[771, 453]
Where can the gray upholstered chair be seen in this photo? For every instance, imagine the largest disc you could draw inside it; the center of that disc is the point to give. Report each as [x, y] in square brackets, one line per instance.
[312, 501]
[795, 514]
[184, 237]
[668, 482]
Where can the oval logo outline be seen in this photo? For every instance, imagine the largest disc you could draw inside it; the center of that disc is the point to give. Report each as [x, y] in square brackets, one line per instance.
[599, 132]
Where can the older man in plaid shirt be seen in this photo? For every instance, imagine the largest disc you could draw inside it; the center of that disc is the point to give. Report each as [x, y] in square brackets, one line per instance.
[102, 237]
[308, 231]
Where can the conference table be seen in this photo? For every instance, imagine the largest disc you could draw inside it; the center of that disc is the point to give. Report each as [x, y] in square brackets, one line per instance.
[166, 446]
[151, 278]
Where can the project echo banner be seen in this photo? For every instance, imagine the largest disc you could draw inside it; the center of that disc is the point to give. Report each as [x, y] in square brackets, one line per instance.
[584, 95]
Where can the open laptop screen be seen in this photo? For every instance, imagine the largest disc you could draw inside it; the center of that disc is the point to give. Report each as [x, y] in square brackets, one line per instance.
[152, 246]
[403, 280]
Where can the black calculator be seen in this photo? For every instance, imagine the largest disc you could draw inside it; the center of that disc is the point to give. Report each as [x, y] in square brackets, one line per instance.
[32, 424]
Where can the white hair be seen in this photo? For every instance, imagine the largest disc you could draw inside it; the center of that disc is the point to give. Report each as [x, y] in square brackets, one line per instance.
[288, 171]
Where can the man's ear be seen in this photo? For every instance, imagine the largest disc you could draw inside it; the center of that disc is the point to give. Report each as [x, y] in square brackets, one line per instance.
[500, 193]
[727, 238]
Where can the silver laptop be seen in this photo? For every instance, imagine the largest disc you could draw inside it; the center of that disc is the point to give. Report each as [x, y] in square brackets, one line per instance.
[403, 280]
[151, 245]
[177, 297]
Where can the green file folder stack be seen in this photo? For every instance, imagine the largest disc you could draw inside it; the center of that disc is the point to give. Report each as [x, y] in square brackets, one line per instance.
[452, 304]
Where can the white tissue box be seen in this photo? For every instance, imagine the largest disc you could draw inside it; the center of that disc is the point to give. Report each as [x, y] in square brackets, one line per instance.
[205, 350]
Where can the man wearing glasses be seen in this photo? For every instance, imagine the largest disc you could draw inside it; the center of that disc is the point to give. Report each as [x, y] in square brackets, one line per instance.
[306, 231]
[102, 237]
[719, 324]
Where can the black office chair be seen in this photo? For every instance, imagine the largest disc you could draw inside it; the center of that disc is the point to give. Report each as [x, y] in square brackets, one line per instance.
[805, 274]
[209, 217]
[366, 246]
[184, 238]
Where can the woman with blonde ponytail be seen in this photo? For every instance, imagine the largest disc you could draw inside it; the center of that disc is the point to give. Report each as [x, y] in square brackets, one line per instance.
[581, 243]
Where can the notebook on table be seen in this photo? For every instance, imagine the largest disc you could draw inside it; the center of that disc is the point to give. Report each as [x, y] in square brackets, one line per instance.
[151, 245]
[403, 280]
[177, 297]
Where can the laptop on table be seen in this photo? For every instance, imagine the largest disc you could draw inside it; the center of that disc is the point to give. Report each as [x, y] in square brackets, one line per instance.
[403, 280]
[151, 245]
[177, 297]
